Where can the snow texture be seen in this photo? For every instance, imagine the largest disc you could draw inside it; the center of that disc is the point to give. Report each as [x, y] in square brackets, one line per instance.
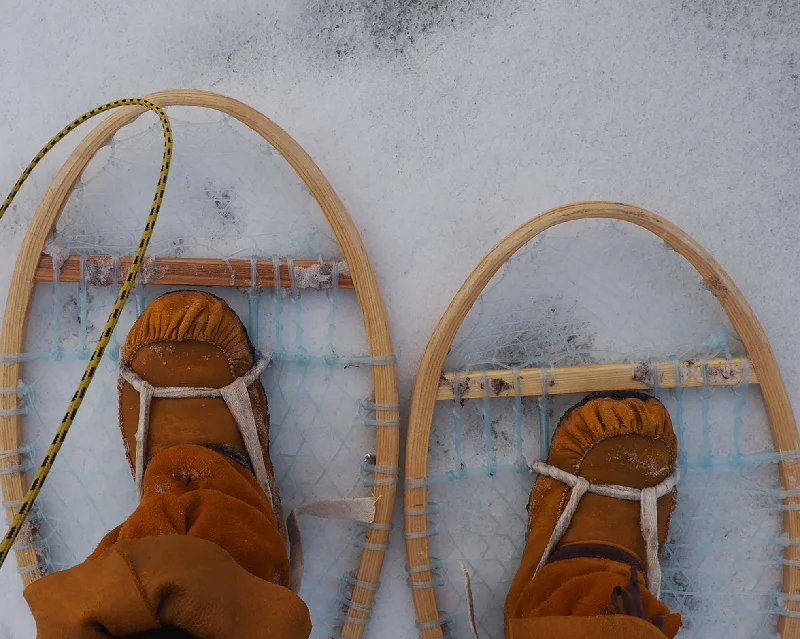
[443, 125]
[317, 276]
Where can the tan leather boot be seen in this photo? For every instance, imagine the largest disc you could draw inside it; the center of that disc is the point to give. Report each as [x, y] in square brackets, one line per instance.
[595, 573]
[204, 553]
[192, 339]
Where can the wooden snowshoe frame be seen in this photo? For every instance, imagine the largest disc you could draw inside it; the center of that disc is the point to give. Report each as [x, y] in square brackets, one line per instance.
[432, 384]
[32, 266]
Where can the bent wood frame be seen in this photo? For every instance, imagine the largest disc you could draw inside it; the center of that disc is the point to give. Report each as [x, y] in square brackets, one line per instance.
[363, 278]
[776, 400]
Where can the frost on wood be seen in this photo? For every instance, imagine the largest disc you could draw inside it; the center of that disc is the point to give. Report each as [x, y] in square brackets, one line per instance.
[318, 276]
[648, 374]
[696, 370]
[99, 272]
[57, 252]
[29, 532]
[30, 537]
[150, 270]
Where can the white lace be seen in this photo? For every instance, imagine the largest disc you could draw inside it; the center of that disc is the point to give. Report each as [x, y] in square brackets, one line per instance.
[648, 498]
[237, 400]
[648, 512]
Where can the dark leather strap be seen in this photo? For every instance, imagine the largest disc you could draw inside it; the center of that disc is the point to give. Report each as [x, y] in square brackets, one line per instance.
[597, 551]
[234, 454]
[163, 633]
[628, 601]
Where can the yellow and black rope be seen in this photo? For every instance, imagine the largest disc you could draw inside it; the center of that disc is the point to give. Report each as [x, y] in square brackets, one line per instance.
[108, 329]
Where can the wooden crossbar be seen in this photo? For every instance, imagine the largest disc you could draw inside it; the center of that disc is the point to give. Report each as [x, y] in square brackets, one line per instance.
[563, 380]
[181, 271]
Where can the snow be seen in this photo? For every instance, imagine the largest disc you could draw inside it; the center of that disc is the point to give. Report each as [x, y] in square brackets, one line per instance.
[444, 124]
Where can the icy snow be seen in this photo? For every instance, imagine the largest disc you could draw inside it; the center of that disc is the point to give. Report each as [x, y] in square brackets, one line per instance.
[444, 124]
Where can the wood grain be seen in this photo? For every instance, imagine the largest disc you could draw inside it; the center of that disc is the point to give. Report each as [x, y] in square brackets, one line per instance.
[426, 387]
[181, 271]
[376, 322]
[563, 380]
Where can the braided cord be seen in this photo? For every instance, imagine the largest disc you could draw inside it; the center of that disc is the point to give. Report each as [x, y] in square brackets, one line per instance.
[111, 323]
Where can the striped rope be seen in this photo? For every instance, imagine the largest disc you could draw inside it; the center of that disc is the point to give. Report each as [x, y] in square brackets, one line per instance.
[111, 323]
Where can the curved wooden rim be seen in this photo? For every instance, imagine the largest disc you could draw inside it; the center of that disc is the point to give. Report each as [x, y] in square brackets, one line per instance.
[375, 318]
[778, 407]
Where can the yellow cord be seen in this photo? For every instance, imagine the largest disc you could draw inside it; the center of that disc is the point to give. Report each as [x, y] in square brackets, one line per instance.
[108, 329]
